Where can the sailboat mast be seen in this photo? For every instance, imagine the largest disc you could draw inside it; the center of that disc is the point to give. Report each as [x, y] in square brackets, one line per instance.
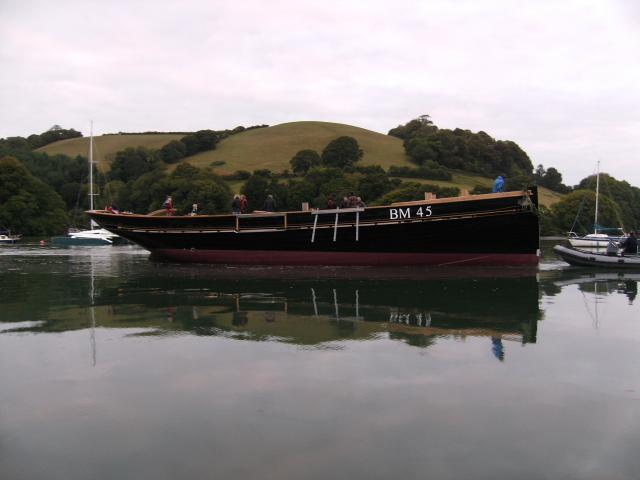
[595, 221]
[91, 173]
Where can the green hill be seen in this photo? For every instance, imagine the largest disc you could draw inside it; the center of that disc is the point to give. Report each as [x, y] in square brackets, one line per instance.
[272, 148]
[259, 148]
[106, 146]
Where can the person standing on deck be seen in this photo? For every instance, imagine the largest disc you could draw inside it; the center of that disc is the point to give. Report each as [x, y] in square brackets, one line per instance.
[630, 244]
[244, 204]
[168, 205]
[498, 185]
[236, 204]
[269, 204]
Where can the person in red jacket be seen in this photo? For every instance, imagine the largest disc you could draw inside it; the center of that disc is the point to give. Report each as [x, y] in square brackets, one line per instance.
[168, 205]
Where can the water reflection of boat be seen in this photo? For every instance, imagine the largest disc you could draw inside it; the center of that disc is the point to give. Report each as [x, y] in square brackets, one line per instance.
[603, 283]
[572, 277]
[317, 312]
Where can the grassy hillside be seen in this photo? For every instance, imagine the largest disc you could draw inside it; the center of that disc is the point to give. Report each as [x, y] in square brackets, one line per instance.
[272, 148]
[106, 146]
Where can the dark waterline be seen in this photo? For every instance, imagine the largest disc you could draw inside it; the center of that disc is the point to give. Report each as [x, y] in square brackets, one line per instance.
[115, 366]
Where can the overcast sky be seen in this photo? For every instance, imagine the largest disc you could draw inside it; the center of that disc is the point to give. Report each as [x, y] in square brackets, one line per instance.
[560, 78]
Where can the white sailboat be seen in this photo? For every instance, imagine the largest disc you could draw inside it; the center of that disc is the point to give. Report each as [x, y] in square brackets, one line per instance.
[93, 236]
[597, 239]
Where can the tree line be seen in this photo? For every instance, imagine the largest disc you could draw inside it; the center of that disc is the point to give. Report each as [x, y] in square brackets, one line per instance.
[34, 141]
[429, 146]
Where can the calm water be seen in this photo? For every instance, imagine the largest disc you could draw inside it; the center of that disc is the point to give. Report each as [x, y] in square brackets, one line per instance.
[114, 366]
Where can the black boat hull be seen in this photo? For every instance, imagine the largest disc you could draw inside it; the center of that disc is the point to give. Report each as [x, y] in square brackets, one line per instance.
[494, 232]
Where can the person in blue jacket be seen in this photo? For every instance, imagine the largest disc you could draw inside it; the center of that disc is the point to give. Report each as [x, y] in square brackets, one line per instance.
[498, 185]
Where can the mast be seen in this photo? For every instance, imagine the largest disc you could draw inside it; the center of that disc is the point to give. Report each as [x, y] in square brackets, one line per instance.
[595, 221]
[91, 223]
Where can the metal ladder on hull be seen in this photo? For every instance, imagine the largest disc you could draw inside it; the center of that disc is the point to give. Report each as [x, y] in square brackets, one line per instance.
[337, 212]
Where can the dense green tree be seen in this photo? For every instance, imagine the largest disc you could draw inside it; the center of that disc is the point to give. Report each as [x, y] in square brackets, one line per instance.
[188, 185]
[187, 172]
[343, 152]
[72, 194]
[256, 188]
[60, 171]
[519, 181]
[13, 145]
[28, 205]
[329, 181]
[461, 149]
[200, 141]
[577, 210]
[625, 196]
[373, 183]
[430, 170]
[300, 192]
[304, 160]
[53, 135]
[409, 129]
[410, 191]
[173, 151]
[113, 193]
[550, 178]
[131, 163]
[547, 225]
[144, 194]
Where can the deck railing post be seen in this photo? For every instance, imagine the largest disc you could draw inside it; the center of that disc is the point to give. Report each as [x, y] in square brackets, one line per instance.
[335, 228]
[313, 234]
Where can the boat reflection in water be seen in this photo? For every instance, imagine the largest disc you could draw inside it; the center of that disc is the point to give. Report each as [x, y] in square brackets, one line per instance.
[597, 283]
[320, 314]
[312, 308]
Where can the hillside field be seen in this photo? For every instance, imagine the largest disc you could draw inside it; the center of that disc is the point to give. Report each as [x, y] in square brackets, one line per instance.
[272, 148]
[106, 146]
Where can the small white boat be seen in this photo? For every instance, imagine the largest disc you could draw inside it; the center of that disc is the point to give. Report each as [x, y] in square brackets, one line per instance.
[96, 237]
[8, 239]
[593, 240]
[597, 239]
[93, 236]
[583, 258]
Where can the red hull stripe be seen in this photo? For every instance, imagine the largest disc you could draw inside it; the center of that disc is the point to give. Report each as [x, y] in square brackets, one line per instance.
[265, 257]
